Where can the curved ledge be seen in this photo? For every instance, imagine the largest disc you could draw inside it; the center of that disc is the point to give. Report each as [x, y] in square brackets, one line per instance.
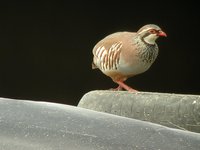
[172, 110]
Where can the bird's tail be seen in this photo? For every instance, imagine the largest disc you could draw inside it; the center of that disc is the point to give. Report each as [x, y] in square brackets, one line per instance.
[94, 66]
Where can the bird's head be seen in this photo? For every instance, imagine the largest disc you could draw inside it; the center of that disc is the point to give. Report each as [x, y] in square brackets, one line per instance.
[149, 33]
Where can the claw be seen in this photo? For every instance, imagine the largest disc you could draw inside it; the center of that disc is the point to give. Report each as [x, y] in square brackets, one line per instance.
[119, 88]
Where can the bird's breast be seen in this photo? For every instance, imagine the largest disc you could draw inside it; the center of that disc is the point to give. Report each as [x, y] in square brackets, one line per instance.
[137, 58]
[136, 66]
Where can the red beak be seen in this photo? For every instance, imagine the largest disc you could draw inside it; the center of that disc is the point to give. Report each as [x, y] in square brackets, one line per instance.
[161, 33]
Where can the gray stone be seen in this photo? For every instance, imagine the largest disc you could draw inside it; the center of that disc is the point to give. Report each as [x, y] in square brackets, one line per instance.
[172, 110]
[29, 125]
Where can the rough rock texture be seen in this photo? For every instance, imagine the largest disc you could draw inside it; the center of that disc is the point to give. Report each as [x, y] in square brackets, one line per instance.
[172, 110]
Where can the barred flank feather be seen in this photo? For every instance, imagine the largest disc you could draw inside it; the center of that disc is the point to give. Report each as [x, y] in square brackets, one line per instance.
[108, 58]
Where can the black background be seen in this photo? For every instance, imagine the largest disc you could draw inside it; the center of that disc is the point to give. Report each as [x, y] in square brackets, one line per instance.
[46, 47]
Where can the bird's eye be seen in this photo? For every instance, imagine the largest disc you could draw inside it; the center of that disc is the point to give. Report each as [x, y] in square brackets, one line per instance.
[152, 31]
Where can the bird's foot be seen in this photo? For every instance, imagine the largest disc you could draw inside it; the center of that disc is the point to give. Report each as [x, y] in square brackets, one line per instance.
[132, 90]
[126, 87]
[119, 88]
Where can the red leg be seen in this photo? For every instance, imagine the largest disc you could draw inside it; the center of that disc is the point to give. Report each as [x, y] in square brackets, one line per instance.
[126, 87]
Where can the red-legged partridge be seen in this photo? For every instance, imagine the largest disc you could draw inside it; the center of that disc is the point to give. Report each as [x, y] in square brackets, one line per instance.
[125, 54]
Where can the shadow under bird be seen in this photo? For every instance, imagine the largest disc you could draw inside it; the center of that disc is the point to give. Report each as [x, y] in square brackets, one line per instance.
[125, 54]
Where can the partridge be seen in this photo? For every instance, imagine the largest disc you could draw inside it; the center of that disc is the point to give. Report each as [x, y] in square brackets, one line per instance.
[125, 54]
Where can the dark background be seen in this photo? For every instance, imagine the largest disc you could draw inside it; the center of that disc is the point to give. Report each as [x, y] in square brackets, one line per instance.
[46, 47]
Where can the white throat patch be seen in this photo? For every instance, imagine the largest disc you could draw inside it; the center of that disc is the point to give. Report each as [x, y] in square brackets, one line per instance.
[150, 39]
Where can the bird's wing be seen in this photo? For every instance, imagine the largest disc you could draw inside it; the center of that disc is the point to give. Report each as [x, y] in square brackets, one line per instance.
[106, 56]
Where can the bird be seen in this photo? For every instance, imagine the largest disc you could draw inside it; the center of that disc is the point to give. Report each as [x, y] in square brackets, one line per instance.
[124, 54]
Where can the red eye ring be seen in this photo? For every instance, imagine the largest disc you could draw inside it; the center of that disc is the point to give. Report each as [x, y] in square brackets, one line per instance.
[152, 31]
